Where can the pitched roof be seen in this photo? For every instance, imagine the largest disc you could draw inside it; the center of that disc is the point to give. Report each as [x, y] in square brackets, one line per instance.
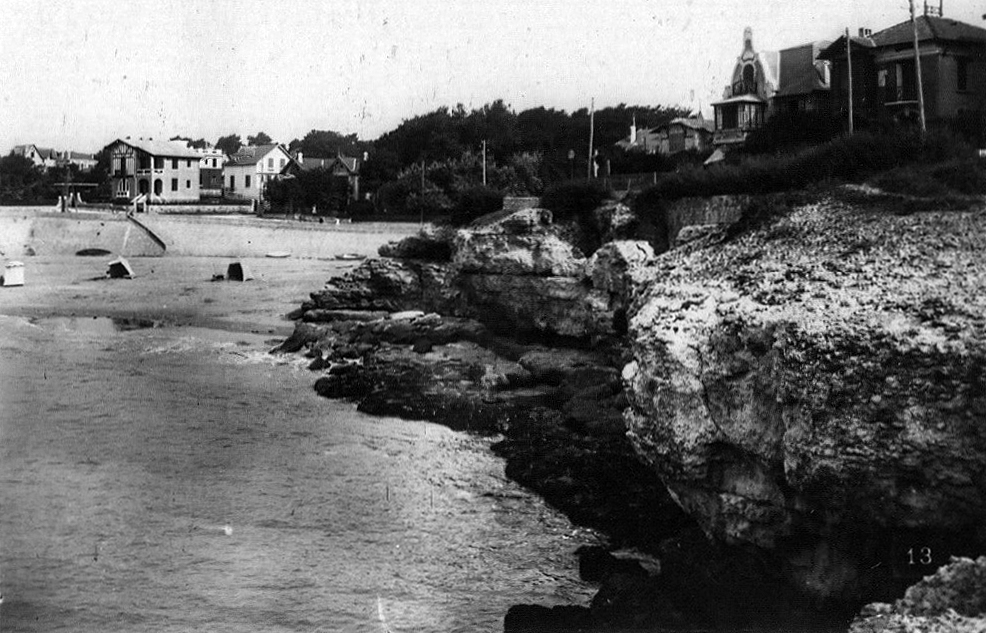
[929, 28]
[252, 154]
[799, 75]
[351, 164]
[170, 149]
[696, 123]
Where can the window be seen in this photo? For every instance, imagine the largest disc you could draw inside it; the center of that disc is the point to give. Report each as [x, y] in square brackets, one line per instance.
[246, 184]
[270, 164]
[232, 183]
[282, 163]
[158, 162]
[188, 163]
[174, 163]
[188, 184]
[962, 73]
[143, 161]
[174, 184]
[213, 162]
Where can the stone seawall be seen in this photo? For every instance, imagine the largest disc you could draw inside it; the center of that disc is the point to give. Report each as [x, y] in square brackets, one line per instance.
[30, 232]
[38, 230]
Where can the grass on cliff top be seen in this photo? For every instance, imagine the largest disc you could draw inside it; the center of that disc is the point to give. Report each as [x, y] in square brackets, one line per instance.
[845, 159]
[911, 172]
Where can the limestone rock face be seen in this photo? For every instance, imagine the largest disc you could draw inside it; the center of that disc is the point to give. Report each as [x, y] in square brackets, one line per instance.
[523, 243]
[388, 284]
[821, 377]
[609, 267]
[953, 599]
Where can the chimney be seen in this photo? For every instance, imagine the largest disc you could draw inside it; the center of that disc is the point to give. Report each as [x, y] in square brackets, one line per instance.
[864, 32]
[633, 130]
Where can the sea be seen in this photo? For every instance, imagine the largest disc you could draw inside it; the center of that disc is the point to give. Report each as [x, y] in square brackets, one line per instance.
[178, 478]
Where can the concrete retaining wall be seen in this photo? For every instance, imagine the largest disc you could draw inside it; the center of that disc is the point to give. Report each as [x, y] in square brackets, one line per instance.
[51, 233]
[27, 230]
[256, 237]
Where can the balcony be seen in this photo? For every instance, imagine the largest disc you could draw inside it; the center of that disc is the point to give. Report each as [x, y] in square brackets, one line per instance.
[744, 88]
[730, 136]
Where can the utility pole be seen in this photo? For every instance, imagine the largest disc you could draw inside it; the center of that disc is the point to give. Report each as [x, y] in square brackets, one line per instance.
[849, 60]
[917, 67]
[592, 129]
[484, 162]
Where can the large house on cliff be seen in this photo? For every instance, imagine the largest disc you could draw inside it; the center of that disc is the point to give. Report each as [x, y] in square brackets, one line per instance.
[767, 82]
[884, 75]
[166, 171]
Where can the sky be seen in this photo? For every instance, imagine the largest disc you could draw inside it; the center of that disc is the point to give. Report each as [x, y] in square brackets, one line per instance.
[77, 75]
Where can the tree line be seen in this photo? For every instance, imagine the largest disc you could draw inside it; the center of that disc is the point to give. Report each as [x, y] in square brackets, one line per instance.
[439, 154]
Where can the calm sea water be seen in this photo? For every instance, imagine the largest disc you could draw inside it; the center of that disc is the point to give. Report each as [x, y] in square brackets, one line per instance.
[179, 479]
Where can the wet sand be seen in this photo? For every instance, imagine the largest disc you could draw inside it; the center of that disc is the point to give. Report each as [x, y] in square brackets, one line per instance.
[171, 290]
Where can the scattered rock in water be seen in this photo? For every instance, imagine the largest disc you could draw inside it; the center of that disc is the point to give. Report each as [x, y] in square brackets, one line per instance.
[532, 618]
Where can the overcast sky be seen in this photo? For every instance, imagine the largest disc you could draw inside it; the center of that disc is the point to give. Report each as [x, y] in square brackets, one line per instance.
[77, 75]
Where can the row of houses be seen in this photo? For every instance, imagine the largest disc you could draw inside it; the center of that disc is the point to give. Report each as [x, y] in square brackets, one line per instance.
[815, 77]
[171, 171]
[46, 158]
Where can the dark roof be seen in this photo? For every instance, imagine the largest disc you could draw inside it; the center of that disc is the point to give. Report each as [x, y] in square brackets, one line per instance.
[351, 164]
[251, 154]
[308, 163]
[799, 74]
[695, 123]
[929, 28]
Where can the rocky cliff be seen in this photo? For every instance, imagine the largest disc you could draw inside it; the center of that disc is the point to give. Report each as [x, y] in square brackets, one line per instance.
[808, 386]
[816, 389]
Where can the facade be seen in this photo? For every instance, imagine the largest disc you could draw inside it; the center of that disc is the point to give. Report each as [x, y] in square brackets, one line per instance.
[884, 75]
[83, 161]
[341, 167]
[678, 135]
[247, 172]
[767, 82]
[43, 157]
[166, 171]
[211, 172]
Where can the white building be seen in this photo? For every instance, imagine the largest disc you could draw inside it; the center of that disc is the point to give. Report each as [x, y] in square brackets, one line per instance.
[248, 171]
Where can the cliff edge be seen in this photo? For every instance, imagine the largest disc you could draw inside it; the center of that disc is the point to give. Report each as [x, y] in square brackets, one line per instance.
[816, 388]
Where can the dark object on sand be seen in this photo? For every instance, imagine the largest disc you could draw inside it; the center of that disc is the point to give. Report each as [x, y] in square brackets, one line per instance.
[238, 272]
[218, 277]
[120, 269]
[92, 252]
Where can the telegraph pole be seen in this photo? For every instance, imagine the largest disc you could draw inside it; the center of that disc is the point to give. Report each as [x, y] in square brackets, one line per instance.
[917, 66]
[849, 59]
[484, 163]
[592, 129]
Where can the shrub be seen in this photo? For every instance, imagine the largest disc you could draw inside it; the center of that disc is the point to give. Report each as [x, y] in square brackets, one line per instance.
[849, 158]
[574, 199]
[788, 130]
[475, 202]
[430, 204]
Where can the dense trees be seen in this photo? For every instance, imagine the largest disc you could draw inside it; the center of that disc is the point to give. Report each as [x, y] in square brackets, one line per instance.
[229, 144]
[261, 138]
